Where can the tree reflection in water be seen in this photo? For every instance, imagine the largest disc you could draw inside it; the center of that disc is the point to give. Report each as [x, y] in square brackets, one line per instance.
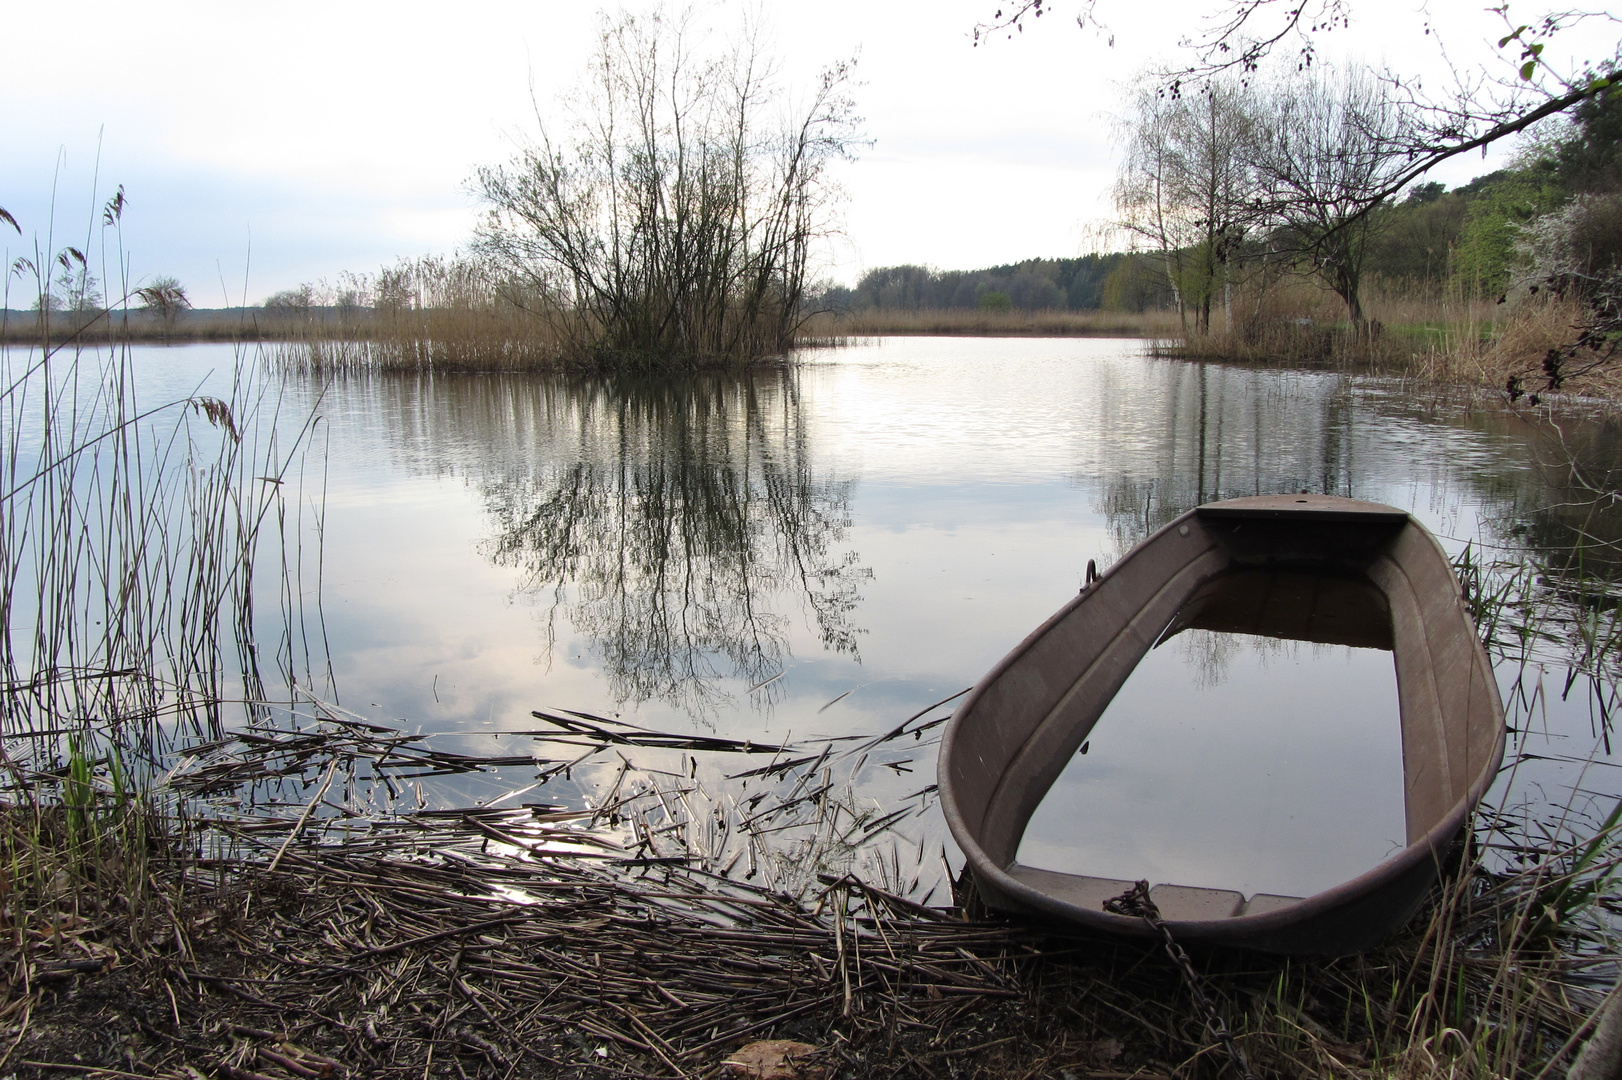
[672, 524]
[1216, 431]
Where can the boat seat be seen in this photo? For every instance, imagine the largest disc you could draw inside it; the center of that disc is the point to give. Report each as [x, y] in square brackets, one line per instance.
[1262, 903]
[1084, 892]
[1184, 902]
[1190, 904]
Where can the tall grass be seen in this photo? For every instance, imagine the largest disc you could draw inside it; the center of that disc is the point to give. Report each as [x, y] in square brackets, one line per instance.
[422, 314]
[1439, 335]
[127, 537]
[1508, 352]
[128, 534]
[874, 322]
[1299, 321]
[28, 329]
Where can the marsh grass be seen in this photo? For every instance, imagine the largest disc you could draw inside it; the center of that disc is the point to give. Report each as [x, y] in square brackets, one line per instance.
[128, 534]
[1298, 322]
[1441, 337]
[119, 326]
[1507, 352]
[974, 323]
[494, 338]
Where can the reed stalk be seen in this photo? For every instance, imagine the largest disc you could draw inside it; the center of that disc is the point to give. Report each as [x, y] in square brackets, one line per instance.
[128, 534]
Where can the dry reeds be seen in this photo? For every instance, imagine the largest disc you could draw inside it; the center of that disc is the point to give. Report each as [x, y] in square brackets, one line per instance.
[128, 531]
[1510, 352]
[1297, 321]
[975, 323]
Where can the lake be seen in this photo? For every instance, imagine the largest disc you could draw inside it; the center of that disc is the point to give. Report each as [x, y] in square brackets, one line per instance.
[822, 552]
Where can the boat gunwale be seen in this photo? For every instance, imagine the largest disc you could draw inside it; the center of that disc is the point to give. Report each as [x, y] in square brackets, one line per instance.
[1434, 845]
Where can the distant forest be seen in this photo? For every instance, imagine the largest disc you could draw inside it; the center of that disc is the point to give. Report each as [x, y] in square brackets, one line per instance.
[1116, 282]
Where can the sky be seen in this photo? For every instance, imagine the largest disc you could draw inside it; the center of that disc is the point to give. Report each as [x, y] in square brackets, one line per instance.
[261, 146]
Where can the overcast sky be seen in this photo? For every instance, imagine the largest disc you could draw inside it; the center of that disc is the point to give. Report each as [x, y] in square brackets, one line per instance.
[264, 145]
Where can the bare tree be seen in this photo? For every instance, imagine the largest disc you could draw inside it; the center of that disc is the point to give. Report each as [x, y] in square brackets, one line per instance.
[167, 297]
[1483, 106]
[1328, 142]
[673, 221]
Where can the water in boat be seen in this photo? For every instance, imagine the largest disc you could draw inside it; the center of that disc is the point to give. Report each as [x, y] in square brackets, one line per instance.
[1250, 761]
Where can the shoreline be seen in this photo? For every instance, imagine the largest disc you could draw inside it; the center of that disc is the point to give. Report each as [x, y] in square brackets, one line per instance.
[455, 943]
[1508, 365]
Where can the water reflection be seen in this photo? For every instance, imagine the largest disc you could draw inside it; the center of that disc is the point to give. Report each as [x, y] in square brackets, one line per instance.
[1256, 747]
[1278, 770]
[680, 526]
[684, 541]
[1201, 432]
[1213, 431]
[1566, 502]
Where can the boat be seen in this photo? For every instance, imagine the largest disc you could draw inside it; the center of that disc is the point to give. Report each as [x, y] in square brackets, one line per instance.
[1307, 567]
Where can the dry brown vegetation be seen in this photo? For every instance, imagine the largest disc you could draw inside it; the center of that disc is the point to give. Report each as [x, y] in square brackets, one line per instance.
[488, 337]
[976, 323]
[1517, 352]
[100, 327]
[1469, 340]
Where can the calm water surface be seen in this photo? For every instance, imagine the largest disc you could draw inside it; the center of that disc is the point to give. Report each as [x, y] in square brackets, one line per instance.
[826, 551]
[1232, 761]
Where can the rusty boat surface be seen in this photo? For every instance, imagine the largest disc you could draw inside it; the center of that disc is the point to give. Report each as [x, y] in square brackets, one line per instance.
[1304, 567]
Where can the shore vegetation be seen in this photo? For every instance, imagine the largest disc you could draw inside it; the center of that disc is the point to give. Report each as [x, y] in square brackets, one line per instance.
[1253, 201]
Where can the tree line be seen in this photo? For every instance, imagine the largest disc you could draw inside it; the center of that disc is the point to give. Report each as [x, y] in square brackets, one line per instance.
[1114, 281]
[1231, 190]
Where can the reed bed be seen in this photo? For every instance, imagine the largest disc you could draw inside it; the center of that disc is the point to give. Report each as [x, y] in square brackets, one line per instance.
[974, 323]
[127, 539]
[1444, 338]
[1509, 353]
[484, 337]
[121, 327]
[128, 530]
[1297, 321]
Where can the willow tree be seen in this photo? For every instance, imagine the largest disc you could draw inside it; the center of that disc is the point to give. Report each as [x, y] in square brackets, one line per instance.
[1328, 142]
[670, 220]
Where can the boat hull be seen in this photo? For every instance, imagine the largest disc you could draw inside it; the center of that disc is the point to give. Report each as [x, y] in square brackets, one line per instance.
[1009, 740]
